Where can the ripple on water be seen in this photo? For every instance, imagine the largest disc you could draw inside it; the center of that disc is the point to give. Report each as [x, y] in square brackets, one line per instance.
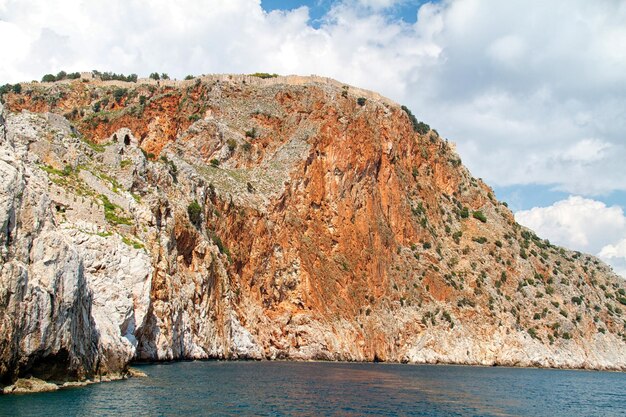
[341, 389]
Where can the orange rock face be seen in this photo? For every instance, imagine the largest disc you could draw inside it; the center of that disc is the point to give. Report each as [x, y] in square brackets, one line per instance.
[333, 230]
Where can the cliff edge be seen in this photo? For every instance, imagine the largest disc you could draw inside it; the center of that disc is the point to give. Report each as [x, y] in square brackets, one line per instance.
[292, 217]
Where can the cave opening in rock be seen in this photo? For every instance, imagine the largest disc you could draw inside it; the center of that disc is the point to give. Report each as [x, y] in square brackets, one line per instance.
[126, 140]
[186, 242]
[53, 367]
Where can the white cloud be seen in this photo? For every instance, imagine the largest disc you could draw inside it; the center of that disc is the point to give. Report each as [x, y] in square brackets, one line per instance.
[582, 224]
[508, 50]
[587, 150]
[516, 86]
[614, 251]
[615, 255]
[533, 92]
[379, 4]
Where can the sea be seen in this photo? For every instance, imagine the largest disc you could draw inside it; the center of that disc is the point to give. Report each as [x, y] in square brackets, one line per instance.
[214, 388]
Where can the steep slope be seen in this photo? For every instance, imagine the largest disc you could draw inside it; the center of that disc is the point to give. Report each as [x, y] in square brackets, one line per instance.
[292, 217]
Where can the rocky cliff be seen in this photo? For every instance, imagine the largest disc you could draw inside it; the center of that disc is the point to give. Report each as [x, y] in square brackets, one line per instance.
[291, 217]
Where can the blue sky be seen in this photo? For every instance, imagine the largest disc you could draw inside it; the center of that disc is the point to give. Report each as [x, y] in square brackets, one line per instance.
[527, 196]
[519, 196]
[405, 10]
[533, 93]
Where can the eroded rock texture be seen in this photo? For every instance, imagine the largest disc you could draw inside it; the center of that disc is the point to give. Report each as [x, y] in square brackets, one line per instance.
[326, 227]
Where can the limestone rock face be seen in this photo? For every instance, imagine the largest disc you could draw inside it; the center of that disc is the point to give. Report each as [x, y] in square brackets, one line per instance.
[294, 217]
[71, 298]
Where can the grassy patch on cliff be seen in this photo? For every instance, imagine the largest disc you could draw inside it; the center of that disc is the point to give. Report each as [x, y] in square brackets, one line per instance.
[66, 171]
[115, 185]
[68, 178]
[111, 212]
[132, 242]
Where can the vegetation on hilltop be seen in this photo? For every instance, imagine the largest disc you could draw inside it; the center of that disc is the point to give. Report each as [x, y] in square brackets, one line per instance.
[419, 127]
[264, 75]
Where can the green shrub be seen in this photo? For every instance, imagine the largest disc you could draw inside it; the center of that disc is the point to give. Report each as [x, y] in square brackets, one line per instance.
[465, 302]
[464, 213]
[361, 101]
[164, 76]
[119, 93]
[251, 133]
[427, 245]
[456, 162]
[264, 75]
[480, 216]
[232, 144]
[155, 76]
[214, 162]
[189, 77]
[108, 76]
[48, 78]
[17, 88]
[147, 155]
[480, 239]
[422, 128]
[419, 127]
[5, 89]
[194, 211]
[218, 242]
[419, 210]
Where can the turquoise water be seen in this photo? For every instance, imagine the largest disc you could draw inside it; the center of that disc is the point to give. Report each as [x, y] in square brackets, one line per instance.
[337, 389]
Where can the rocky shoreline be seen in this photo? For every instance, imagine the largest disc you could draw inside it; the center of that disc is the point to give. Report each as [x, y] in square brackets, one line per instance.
[34, 385]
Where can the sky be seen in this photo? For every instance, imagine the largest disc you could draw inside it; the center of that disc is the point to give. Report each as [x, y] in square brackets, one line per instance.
[532, 92]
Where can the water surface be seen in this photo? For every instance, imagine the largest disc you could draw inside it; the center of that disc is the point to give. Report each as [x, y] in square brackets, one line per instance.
[336, 389]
